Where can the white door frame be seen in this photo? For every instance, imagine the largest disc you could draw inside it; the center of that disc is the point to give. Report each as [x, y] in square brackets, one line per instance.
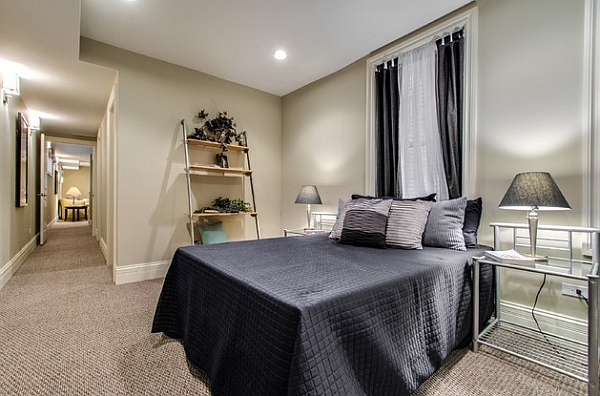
[43, 195]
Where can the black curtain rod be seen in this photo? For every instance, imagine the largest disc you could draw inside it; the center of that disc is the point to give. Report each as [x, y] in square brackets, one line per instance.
[446, 38]
[450, 37]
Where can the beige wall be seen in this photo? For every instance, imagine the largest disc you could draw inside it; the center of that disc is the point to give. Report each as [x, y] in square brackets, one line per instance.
[17, 225]
[530, 103]
[531, 106]
[77, 178]
[152, 97]
[323, 141]
[530, 112]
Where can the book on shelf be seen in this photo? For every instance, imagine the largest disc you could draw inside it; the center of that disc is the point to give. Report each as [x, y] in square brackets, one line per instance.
[510, 256]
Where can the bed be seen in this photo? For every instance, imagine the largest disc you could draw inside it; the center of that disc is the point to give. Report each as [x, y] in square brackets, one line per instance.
[310, 316]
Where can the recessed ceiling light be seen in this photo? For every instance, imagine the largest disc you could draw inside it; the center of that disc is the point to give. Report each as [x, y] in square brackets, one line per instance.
[280, 55]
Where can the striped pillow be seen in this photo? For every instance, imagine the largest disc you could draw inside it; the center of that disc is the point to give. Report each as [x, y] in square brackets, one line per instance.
[445, 223]
[365, 221]
[406, 223]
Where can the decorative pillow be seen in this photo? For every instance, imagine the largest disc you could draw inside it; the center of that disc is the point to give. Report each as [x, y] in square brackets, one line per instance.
[445, 223]
[212, 233]
[406, 223]
[430, 197]
[472, 221]
[336, 231]
[365, 221]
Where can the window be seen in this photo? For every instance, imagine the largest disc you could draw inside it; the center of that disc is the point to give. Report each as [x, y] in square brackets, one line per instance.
[422, 45]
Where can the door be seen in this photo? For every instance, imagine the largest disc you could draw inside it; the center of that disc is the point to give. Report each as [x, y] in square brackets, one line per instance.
[43, 188]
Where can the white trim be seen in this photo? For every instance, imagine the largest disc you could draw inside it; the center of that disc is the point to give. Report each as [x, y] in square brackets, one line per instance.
[141, 272]
[591, 89]
[104, 249]
[66, 140]
[111, 159]
[7, 271]
[550, 322]
[469, 20]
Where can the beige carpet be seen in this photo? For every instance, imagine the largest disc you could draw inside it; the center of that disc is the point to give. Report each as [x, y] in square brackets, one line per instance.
[65, 329]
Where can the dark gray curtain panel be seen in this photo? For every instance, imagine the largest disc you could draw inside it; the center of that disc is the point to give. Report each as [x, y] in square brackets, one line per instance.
[387, 103]
[450, 80]
[450, 107]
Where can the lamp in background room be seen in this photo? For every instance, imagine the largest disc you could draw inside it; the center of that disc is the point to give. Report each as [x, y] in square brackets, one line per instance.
[534, 191]
[308, 195]
[74, 193]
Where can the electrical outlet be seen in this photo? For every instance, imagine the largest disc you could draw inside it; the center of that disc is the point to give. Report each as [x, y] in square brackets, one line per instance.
[571, 290]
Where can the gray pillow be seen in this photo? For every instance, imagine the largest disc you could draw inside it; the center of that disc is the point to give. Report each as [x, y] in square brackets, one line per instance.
[406, 223]
[365, 221]
[472, 221]
[336, 231]
[445, 223]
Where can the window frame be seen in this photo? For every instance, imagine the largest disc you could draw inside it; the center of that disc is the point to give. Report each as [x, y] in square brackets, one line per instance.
[468, 20]
[591, 122]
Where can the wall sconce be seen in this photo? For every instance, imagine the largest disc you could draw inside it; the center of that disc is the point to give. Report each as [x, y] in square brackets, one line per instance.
[11, 85]
[34, 122]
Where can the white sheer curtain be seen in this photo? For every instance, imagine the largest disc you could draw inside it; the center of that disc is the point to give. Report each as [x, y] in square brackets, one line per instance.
[420, 166]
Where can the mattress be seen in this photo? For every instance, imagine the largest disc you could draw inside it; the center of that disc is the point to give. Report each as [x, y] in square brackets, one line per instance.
[308, 316]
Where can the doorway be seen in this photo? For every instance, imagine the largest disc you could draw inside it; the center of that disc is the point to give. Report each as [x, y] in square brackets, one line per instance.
[70, 187]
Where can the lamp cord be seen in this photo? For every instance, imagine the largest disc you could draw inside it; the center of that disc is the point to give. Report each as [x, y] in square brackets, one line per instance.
[582, 297]
[536, 322]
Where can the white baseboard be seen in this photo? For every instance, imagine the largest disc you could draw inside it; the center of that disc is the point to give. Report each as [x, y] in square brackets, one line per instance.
[141, 272]
[104, 249]
[550, 322]
[7, 270]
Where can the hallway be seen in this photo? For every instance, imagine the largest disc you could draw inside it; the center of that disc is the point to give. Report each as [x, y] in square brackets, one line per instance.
[68, 330]
[70, 246]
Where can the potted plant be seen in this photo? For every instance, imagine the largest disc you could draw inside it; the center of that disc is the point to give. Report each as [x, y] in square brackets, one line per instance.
[226, 205]
[221, 129]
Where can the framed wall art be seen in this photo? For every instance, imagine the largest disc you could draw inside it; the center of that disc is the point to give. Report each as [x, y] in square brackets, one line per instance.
[22, 156]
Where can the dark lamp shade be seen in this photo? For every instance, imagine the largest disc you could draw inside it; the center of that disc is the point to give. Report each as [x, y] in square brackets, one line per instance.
[534, 190]
[308, 195]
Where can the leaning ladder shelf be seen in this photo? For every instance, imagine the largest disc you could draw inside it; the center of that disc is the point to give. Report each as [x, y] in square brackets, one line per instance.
[203, 170]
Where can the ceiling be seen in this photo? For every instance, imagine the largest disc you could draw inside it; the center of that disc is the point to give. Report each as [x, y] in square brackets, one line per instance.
[230, 39]
[74, 155]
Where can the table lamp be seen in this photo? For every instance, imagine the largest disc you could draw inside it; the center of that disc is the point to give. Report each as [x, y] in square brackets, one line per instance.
[73, 192]
[534, 191]
[308, 195]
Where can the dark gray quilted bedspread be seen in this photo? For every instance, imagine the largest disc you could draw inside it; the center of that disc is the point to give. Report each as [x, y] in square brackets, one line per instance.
[308, 316]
